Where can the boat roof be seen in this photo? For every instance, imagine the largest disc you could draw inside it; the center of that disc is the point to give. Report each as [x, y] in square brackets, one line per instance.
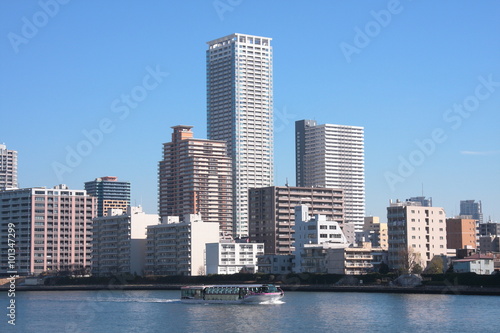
[228, 286]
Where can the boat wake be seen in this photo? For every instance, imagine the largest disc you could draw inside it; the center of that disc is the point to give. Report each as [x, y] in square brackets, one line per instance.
[140, 300]
[272, 302]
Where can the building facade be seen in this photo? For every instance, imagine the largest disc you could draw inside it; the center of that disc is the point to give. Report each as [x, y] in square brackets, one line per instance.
[333, 156]
[232, 257]
[473, 209]
[240, 112]
[272, 213]
[195, 177]
[119, 241]
[414, 229]
[110, 194]
[350, 260]
[482, 264]
[313, 236]
[375, 232]
[53, 229]
[8, 168]
[275, 263]
[489, 228]
[461, 233]
[178, 248]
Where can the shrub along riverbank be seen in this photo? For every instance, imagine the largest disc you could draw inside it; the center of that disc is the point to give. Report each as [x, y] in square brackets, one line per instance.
[302, 279]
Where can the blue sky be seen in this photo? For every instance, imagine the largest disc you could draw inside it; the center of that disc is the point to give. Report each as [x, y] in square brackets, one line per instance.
[91, 88]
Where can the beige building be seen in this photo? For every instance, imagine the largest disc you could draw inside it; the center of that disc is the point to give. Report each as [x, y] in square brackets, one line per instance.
[350, 260]
[119, 241]
[417, 229]
[178, 248]
[53, 229]
[375, 232]
[272, 213]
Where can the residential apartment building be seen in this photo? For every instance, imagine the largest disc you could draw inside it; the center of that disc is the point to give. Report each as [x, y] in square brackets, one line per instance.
[110, 194]
[232, 257]
[416, 229]
[473, 209]
[119, 241]
[375, 232]
[350, 260]
[275, 263]
[8, 168]
[178, 248]
[272, 213]
[333, 156]
[240, 112]
[489, 228]
[461, 233]
[53, 229]
[312, 237]
[195, 177]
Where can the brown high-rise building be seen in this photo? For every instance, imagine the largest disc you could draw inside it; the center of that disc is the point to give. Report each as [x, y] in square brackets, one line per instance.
[272, 213]
[461, 233]
[195, 178]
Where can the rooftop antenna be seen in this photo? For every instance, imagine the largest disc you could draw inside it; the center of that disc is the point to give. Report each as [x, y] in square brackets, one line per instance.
[422, 189]
[286, 184]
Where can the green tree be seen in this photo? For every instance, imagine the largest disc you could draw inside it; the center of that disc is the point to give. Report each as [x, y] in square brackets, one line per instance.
[384, 268]
[436, 266]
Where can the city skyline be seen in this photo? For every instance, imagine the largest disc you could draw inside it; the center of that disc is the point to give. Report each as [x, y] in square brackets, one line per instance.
[100, 98]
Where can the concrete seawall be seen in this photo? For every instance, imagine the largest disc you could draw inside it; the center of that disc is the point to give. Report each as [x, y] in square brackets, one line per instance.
[447, 290]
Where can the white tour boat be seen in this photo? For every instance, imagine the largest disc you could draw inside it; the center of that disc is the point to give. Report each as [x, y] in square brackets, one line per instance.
[243, 293]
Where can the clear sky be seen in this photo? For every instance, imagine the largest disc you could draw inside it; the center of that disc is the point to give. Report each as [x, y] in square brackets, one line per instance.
[91, 88]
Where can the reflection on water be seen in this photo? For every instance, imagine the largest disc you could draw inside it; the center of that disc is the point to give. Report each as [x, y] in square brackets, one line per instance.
[161, 311]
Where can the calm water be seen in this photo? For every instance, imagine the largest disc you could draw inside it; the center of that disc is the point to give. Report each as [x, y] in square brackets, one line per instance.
[161, 311]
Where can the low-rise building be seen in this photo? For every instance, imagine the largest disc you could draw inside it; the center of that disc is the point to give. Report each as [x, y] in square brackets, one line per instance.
[312, 237]
[178, 248]
[478, 263]
[350, 260]
[232, 257]
[275, 263]
[490, 243]
[119, 241]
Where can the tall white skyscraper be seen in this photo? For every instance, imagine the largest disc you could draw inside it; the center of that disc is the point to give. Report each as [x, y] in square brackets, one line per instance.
[240, 112]
[8, 168]
[333, 156]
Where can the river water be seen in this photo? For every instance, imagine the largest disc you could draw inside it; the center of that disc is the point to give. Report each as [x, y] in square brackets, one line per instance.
[161, 311]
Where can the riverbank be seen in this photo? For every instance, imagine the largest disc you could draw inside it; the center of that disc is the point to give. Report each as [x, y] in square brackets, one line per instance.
[446, 290]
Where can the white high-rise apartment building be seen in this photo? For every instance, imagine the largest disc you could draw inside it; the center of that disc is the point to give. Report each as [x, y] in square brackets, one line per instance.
[240, 112]
[8, 168]
[333, 156]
